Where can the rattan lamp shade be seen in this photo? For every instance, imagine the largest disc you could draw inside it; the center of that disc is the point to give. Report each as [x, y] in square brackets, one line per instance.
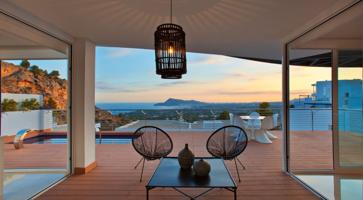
[170, 53]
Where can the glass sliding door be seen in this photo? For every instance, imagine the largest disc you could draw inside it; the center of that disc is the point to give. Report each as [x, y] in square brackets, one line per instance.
[350, 105]
[35, 111]
[310, 110]
[324, 126]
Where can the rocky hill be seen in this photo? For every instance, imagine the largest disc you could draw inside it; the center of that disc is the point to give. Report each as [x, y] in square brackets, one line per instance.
[19, 80]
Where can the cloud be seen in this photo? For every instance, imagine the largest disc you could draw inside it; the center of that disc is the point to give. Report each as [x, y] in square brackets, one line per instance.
[250, 93]
[238, 75]
[272, 92]
[167, 84]
[117, 52]
[210, 60]
[102, 86]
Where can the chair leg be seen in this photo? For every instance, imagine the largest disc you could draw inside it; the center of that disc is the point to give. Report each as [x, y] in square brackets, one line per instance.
[142, 170]
[244, 168]
[138, 163]
[235, 162]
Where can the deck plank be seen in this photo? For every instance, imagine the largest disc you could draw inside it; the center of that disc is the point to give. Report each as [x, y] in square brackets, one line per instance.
[115, 178]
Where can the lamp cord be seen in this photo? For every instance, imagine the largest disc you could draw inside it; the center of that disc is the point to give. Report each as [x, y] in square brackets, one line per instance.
[171, 11]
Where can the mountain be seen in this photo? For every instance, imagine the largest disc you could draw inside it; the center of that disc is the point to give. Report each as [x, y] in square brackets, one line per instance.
[19, 80]
[181, 103]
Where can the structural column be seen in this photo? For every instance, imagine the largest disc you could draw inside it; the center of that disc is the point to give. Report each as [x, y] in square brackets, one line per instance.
[1, 168]
[285, 109]
[83, 106]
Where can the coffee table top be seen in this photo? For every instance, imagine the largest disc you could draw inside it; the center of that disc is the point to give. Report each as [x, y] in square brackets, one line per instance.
[169, 174]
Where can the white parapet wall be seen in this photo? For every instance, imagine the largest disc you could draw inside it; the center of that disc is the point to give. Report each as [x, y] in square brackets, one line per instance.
[21, 97]
[12, 122]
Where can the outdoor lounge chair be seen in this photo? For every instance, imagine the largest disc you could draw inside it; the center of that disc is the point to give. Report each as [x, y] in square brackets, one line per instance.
[151, 143]
[228, 143]
[266, 125]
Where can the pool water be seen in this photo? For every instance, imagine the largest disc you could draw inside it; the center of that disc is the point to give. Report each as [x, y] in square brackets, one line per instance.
[64, 140]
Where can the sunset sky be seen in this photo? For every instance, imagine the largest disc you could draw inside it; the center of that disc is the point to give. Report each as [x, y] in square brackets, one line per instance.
[128, 75]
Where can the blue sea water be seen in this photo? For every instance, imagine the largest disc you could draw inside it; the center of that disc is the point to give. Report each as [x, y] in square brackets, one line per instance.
[116, 108]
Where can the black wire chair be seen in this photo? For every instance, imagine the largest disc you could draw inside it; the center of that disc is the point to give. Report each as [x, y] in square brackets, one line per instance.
[151, 143]
[228, 143]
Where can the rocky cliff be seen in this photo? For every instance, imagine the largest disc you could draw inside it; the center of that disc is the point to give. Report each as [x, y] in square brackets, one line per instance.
[19, 80]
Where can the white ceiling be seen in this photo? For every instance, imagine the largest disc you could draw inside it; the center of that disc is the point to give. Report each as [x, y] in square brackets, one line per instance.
[241, 28]
[15, 47]
[18, 41]
[344, 31]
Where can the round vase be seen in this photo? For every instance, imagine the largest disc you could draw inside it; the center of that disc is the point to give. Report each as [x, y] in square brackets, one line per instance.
[201, 168]
[186, 158]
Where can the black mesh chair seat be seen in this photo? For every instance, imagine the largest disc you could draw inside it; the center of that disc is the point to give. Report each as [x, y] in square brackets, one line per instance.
[228, 142]
[151, 143]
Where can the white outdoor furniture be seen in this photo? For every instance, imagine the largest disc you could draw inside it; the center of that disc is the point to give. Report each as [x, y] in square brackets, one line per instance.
[248, 117]
[254, 125]
[266, 125]
[275, 118]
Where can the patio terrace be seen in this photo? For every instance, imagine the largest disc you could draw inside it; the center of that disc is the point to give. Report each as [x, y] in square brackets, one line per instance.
[115, 177]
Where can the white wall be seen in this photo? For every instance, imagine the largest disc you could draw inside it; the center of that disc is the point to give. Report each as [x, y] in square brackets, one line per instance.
[21, 97]
[12, 122]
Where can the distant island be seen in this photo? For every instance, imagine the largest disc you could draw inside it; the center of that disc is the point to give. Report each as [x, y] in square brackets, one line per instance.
[181, 103]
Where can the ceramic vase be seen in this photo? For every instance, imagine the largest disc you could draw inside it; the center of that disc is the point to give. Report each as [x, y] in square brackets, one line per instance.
[186, 158]
[201, 168]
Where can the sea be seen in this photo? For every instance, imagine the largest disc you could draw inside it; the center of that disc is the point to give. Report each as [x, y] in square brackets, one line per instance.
[117, 108]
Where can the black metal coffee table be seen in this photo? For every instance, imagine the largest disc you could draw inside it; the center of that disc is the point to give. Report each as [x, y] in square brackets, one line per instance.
[169, 175]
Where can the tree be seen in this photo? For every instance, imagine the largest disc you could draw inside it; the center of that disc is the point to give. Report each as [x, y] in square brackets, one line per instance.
[51, 104]
[36, 70]
[190, 117]
[264, 105]
[8, 105]
[25, 63]
[264, 109]
[30, 104]
[224, 115]
[54, 73]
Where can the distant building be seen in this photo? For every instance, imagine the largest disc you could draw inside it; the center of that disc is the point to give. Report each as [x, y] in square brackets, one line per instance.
[350, 94]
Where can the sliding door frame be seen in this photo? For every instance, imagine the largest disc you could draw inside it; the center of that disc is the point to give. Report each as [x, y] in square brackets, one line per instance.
[286, 157]
[56, 39]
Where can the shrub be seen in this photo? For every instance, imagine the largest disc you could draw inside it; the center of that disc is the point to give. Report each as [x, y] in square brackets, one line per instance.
[224, 115]
[8, 105]
[264, 109]
[25, 63]
[29, 104]
[264, 105]
[51, 104]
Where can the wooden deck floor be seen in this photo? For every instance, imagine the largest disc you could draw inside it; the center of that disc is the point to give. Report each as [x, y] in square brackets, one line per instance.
[115, 178]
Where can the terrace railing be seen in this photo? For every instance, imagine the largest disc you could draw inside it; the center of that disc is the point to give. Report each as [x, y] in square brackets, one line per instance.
[320, 119]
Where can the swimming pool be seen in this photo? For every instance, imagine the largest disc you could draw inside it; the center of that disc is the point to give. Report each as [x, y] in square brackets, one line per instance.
[58, 139]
